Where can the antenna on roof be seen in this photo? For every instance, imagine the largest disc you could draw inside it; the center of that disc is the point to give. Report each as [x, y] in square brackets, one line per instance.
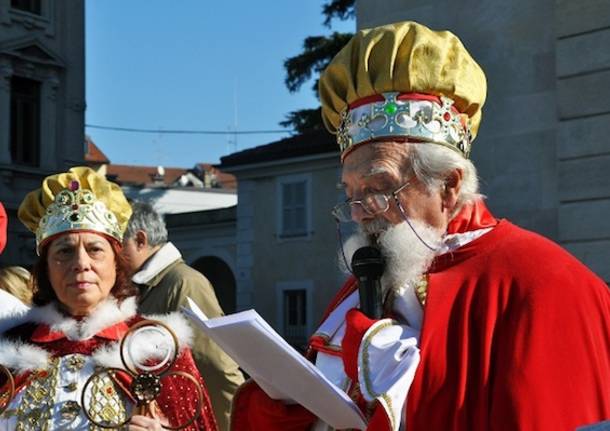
[232, 141]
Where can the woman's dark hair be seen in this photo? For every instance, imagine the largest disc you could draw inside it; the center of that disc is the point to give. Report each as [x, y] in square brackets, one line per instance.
[44, 293]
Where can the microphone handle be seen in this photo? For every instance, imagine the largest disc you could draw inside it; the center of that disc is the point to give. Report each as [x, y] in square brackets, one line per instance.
[369, 290]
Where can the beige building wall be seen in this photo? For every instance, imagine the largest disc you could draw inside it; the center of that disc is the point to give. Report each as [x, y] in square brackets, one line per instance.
[543, 145]
[268, 263]
[47, 47]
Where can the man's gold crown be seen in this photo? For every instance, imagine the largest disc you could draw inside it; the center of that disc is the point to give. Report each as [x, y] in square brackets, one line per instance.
[414, 119]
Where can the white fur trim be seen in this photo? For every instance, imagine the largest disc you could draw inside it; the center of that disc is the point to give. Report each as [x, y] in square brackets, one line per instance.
[22, 357]
[179, 325]
[106, 314]
[108, 356]
[163, 258]
[27, 357]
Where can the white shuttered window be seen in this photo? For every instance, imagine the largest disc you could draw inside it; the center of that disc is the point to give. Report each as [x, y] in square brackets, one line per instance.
[294, 206]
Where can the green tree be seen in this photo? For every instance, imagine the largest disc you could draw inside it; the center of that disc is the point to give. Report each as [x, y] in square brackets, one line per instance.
[317, 52]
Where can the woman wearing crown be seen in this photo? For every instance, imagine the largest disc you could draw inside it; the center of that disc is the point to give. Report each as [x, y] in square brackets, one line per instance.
[64, 364]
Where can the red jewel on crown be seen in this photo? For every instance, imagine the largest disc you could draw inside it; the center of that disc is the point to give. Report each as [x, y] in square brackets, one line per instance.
[74, 185]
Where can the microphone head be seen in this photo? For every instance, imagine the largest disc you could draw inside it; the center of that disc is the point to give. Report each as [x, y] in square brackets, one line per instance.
[368, 262]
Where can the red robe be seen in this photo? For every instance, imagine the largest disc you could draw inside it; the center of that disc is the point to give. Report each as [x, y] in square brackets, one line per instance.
[515, 336]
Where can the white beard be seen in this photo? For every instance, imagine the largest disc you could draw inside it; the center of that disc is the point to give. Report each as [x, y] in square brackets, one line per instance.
[407, 258]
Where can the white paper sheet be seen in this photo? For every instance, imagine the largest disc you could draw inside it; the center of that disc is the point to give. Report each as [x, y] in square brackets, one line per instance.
[281, 371]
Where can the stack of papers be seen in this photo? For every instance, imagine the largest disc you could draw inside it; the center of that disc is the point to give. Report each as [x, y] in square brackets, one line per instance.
[282, 372]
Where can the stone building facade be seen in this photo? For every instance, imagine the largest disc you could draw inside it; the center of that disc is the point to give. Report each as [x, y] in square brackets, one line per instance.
[42, 103]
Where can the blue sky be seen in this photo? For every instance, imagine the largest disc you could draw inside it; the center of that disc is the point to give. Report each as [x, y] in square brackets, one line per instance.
[182, 64]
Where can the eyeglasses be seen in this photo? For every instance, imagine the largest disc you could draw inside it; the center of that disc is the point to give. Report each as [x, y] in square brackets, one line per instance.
[373, 204]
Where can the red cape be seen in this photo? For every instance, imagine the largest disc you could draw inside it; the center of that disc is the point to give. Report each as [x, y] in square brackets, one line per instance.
[516, 336]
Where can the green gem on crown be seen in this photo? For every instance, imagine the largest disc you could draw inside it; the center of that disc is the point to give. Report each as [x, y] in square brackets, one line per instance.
[390, 108]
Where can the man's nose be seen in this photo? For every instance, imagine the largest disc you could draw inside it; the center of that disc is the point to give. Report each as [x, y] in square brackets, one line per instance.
[359, 214]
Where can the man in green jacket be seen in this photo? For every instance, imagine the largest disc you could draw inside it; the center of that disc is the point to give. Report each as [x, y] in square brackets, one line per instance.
[165, 281]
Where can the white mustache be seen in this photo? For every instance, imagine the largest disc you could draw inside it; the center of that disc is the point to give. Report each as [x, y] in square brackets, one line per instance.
[407, 257]
[375, 227]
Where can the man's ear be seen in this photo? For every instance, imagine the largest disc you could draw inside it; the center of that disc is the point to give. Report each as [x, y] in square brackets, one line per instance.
[451, 189]
[141, 240]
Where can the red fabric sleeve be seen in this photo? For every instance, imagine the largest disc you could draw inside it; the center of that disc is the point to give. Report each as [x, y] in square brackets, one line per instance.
[177, 403]
[253, 410]
[3, 227]
[357, 323]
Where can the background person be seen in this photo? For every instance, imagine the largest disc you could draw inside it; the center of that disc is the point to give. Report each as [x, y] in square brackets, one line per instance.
[16, 281]
[165, 281]
[11, 306]
[84, 304]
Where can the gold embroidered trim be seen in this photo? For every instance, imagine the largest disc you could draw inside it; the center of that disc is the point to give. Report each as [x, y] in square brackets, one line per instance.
[35, 407]
[107, 402]
[421, 290]
[321, 335]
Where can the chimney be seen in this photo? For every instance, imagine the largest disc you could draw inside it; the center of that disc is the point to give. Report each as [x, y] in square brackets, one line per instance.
[159, 176]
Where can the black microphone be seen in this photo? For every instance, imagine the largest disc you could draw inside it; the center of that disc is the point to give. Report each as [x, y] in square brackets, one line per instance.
[368, 266]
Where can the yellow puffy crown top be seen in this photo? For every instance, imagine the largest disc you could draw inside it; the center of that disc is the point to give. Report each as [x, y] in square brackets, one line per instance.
[401, 59]
[77, 200]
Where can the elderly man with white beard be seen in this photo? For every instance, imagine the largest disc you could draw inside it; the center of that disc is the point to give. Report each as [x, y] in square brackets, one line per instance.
[485, 326]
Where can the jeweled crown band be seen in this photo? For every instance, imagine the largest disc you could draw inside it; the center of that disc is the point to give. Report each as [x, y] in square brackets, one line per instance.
[76, 209]
[410, 117]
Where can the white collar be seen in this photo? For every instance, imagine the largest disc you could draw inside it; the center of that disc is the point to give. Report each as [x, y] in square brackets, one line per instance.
[163, 258]
[453, 241]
